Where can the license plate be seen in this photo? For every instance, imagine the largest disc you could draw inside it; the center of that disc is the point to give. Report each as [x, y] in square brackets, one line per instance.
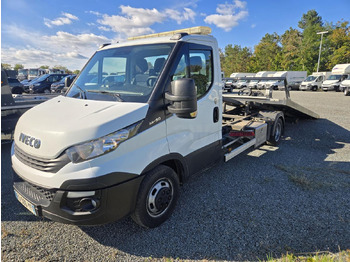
[26, 203]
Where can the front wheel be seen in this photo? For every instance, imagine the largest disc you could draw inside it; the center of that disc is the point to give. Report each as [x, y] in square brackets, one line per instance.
[47, 91]
[157, 197]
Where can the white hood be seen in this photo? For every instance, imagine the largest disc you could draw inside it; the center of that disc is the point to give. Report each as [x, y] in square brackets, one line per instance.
[330, 82]
[63, 121]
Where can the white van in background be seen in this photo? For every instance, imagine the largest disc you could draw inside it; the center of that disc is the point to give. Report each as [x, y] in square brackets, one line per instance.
[254, 83]
[345, 87]
[294, 79]
[314, 81]
[262, 84]
[234, 83]
[340, 72]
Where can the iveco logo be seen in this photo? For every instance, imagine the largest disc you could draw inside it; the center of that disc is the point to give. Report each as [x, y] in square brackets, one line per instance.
[29, 140]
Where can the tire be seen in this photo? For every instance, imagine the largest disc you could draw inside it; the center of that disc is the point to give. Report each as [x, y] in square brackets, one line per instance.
[347, 91]
[278, 130]
[245, 92]
[47, 91]
[337, 89]
[314, 88]
[157, 197]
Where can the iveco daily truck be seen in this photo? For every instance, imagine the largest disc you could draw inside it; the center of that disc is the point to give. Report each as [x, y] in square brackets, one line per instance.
[139, 119]
[340, 73]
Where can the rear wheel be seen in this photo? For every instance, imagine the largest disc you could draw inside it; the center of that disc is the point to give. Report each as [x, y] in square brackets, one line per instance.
[277, 132]
[47, 91]
[157, 197]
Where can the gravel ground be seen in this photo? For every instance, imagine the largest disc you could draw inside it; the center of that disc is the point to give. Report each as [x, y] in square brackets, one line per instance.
[268, 201]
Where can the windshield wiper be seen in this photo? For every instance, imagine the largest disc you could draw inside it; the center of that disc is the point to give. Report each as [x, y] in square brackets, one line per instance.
[82, 91]
[114, 94]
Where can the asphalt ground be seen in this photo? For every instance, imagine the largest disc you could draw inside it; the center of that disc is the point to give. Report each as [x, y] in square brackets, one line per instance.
[265, 202]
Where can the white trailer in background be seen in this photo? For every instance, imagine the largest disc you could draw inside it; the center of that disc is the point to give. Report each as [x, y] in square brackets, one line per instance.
[340, 72]
[314, 81]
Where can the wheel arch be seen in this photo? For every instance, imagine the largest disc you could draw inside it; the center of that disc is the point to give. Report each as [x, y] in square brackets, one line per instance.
[174, 161]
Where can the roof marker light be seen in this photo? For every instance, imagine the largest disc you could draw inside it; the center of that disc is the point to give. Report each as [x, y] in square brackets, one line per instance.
[198, 30]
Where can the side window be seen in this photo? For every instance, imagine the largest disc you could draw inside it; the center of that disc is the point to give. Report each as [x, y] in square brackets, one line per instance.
[198, 65]
[180, 71]
[201, 70]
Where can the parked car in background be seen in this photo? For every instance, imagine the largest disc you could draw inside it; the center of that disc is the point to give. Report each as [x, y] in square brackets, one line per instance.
[15, 85]
[43, 83]
[59, 86]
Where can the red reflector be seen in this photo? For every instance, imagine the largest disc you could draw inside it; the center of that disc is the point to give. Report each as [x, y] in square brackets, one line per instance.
[241, 133]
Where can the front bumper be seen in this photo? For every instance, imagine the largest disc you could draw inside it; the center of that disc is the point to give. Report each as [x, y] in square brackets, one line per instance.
[81, 202]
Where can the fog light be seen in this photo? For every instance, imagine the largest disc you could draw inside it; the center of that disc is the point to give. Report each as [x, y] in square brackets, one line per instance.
[82, 201]
[88, 204]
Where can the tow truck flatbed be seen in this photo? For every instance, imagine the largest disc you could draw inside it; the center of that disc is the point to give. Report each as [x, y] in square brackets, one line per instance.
[267, 101]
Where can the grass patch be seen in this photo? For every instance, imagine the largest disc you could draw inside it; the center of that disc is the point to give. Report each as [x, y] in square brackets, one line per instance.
[316, 178]
[342, 256]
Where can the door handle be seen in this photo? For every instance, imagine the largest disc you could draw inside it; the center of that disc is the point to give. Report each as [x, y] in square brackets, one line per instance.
[216, 114]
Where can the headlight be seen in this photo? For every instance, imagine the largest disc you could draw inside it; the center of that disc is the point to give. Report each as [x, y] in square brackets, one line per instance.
[103, 145]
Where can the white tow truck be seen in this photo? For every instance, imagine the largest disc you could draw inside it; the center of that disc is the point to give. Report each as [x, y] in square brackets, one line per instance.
[139, 119]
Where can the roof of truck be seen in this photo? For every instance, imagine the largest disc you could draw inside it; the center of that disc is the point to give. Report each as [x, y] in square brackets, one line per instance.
[198, 34]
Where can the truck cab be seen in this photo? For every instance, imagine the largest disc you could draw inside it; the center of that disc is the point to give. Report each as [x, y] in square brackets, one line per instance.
[91, 149]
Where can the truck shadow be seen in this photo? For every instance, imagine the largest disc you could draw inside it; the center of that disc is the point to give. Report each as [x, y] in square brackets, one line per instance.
[269, 201]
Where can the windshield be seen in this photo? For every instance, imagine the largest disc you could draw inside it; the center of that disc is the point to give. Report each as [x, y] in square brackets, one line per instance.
[33, 71]
[22, 71]
[334, 77]
[310, 78]
[122, 74]
[39, 79]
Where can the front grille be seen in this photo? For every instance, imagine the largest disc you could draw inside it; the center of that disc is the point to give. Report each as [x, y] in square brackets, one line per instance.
[42, 164]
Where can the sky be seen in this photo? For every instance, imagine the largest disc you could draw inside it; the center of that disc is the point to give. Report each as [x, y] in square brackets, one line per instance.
[67, 33]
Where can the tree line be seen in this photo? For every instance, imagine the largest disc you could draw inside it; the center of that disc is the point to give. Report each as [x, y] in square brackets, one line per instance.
[295, 50]
[20, 66]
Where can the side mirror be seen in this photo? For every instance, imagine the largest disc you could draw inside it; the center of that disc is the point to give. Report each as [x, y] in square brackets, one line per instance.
[68, 81]
[183, 95]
